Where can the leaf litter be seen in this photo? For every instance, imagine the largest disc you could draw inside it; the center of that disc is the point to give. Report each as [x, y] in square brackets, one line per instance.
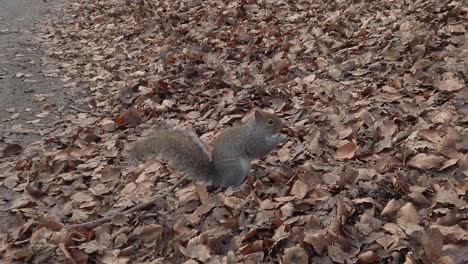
[373, 95]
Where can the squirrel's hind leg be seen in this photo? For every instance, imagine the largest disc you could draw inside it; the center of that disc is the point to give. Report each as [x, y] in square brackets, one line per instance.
[230, 173]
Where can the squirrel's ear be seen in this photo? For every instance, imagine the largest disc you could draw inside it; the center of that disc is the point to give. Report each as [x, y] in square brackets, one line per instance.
[258, 114]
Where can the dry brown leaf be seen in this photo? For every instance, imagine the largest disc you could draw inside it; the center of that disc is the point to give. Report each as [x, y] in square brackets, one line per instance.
[448, 163]
[346, 151]
[12, 149]
[447, 196]
[231, 258]
[368, 257]
[202, 193]
[287, 210]
[431, 135]
[345, 132]
[419, 199]
[318, 240]
[425, 161]
[388, 242]
[336, 254]
[99, 189]
[388, 128]
[299, 189]
[209, 63]
[110, 173]
[295, 255]
[432, 241]
[234, 202]
[195, 217]
[452, 234]
[408, 219]
[448, 145]
[130, 117]
[268, 204]
[391, 208]
[348, 175]
[313, 143]
[200, 252]
[449, 219]
[284, 153]
[449, 82]
[282, 67]
[445, 260]
[149, 233]
[193, 115]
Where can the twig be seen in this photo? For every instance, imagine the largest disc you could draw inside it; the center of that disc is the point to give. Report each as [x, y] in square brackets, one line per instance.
[59, 121]
[6, 31]
[27, 182]
[29, 131]
[83, 110]
[152, 200]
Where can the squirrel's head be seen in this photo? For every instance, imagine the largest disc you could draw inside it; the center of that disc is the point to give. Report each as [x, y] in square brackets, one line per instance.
[268, 122]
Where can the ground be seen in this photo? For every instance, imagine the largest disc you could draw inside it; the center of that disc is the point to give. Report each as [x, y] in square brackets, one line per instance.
[23, 74]
[23, 80]
[372, 93]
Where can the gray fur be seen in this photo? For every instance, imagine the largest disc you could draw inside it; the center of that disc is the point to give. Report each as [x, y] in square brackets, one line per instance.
[181, 149]
[233, 150]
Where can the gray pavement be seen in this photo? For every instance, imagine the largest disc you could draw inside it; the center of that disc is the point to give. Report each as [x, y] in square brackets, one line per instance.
[26, 96]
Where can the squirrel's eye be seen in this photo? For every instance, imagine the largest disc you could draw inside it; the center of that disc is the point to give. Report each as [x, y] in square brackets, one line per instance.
[270, 122]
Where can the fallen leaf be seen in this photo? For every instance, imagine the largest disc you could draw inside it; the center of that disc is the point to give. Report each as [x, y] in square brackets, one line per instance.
[149, 233]
[425, 161]
[391, 208]
[299, 189]
[12, 149]
[193, 115]
[433, 242]
[368, 257]
[200, 252]
[408, 219]
[449, 82]
[346, 151]
[295, 255]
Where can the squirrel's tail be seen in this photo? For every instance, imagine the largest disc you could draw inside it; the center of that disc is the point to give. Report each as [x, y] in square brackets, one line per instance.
[182, 150]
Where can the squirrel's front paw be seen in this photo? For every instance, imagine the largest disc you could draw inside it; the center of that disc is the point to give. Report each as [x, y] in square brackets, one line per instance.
[282, 138]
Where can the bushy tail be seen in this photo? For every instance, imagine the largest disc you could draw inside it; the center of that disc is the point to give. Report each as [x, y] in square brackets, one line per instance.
[179, 148]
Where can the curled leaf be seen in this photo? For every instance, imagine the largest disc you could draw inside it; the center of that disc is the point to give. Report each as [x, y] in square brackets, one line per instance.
[346, 151]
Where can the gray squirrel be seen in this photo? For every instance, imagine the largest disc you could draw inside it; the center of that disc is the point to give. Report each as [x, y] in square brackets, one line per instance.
[233, 149]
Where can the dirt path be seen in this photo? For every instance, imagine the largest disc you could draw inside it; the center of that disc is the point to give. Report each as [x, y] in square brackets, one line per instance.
[26, 95]
[24, 91]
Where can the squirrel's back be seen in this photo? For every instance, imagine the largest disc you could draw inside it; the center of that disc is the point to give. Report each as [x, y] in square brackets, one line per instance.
[179, 148]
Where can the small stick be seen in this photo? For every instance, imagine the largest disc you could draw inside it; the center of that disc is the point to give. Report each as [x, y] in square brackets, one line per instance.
[27, 183]
[59, 122]
[152, 199]
[83, 110]
[28, 131]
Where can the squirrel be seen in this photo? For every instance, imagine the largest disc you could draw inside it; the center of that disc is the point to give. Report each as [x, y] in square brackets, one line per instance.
[233, 149]
[229, 165]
